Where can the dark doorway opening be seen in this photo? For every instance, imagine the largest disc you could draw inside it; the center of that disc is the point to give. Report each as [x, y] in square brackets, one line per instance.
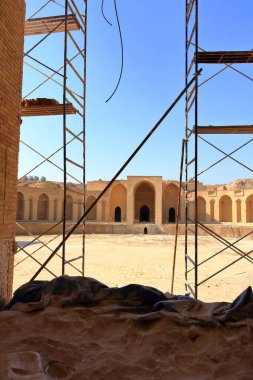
[144, 214]
[117, 214]
[145, 231]
[172, 215]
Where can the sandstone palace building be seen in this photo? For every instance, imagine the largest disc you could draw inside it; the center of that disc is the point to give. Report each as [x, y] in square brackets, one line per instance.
[135, 205]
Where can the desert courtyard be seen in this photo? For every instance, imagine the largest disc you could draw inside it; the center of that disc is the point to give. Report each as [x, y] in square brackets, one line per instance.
[118, 260]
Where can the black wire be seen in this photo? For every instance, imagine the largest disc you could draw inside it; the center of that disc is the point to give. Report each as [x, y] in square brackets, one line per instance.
[102, 10]
[60, 5]
[122, 52]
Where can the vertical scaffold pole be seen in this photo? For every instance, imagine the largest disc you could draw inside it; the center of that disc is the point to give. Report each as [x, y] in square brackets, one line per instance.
[84, 135]
[186, 147]
[191, 145]
[64, 137]
[196, 151]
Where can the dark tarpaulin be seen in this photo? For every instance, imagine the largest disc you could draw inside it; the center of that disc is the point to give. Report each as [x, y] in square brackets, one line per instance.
[68, 291]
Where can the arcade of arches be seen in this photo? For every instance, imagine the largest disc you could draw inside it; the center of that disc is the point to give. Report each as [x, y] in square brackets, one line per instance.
[136, 200]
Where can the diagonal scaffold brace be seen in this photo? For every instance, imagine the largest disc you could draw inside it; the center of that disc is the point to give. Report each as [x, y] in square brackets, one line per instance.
[117, 174]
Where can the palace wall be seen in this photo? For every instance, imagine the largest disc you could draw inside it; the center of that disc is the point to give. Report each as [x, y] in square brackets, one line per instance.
[133, 204]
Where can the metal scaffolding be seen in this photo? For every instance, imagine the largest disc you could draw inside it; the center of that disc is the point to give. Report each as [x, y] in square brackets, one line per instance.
[74, 20]
[195, 55]
[70, 28]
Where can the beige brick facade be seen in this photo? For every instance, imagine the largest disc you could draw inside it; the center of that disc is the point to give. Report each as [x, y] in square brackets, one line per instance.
[12, 13]
[133, 202]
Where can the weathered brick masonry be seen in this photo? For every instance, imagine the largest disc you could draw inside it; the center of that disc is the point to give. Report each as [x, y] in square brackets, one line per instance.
[12, 14]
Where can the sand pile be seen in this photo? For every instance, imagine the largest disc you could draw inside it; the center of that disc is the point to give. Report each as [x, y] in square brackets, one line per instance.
[78, 328]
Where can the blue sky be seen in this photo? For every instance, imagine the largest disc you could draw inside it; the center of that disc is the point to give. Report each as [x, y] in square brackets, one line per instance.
[153, 37]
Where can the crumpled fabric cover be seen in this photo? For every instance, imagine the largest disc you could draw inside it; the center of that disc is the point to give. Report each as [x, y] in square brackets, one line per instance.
[68, 291]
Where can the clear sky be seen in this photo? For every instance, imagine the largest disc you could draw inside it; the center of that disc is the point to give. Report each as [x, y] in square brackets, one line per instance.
[153, 75]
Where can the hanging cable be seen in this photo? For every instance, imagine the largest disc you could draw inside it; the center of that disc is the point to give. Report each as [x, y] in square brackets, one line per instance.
[60, 5]
[122, 53]
[121, 45]
[102, 10]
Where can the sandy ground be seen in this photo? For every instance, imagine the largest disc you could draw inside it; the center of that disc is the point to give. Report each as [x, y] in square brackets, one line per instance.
[117, 260]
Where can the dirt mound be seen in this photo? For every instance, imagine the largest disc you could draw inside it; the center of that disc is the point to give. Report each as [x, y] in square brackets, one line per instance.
[78, 328]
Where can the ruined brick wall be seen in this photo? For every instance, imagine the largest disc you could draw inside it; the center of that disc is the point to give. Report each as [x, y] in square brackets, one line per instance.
[12, 13]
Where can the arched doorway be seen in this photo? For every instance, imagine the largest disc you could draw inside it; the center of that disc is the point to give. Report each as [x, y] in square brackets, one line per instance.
[201, 209]
[249, 209]
[69, 207]
[225, 208]
[92, 216]
[43, 207]
[170, 200]
[117, 214]
[144, 202]
[172, 215]
[144, 214]
[118, 198]
[20, 206]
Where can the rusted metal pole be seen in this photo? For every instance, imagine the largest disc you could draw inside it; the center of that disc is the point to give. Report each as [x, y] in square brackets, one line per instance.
[178, 212]
[64, 138]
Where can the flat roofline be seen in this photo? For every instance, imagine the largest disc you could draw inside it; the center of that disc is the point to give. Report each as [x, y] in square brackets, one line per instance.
[144, 176]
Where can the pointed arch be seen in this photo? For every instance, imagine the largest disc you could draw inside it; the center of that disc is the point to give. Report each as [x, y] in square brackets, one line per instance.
[20, 206]
[43, 207]
[118, 198]
[92, 216]
[201, 209]
[249, 209]
[69, 207]
[144, 202]
[170, 201]
[225, 209]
